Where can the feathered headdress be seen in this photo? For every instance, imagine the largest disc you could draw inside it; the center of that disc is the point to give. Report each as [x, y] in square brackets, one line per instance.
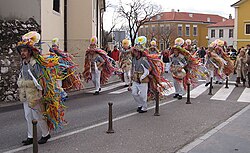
[188, 42]
[28, 41]
[140, 43]
[93, 40]
[55, 41]
[126, 43]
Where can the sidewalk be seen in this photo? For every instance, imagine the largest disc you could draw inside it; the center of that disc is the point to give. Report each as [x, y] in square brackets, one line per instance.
[230, 136]
[89, 85]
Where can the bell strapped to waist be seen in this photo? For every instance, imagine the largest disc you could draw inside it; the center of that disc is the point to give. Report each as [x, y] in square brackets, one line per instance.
[137, 76]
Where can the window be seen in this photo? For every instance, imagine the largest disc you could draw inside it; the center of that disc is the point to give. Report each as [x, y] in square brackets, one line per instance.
[221, 33]
[247, 28]
[179, 29]
[56, 5]
[212, 33]
[161, 28]
[231, 33]
[141, 32]
[195, 30]
[153, 29]
[187, 30]
[167, 28]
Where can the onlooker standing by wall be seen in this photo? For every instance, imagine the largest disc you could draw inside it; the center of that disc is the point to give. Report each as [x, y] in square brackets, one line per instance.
[240, 66]
[115, 54]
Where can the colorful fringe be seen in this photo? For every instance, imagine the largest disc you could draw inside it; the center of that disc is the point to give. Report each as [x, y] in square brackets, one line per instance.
[217, 63]
[157, 81]
[108, 68]
[194, 69]
[70, 80]
[54, 104]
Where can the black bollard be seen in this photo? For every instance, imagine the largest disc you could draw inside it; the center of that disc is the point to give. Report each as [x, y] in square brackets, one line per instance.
[211, 86]
[188, 94]
[110, 128]
[157, 98]
[227, 82]
[35, 144]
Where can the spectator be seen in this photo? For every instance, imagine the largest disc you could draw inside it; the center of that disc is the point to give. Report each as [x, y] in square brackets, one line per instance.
[115, 54]
[165, 59]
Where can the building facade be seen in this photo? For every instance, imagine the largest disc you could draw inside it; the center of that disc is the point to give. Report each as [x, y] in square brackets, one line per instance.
[222, 30]
[72, 21]
[167, 26]
[242, 23]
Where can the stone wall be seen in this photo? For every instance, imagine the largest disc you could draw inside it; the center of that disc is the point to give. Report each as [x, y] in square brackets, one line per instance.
[10, 33]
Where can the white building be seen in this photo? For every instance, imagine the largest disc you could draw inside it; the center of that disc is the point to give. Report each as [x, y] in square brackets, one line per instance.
[222, 30]
[72, 21]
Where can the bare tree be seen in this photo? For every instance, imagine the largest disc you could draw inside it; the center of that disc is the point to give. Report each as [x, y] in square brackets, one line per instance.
[137, 13]
[168, 33]
[106, 35]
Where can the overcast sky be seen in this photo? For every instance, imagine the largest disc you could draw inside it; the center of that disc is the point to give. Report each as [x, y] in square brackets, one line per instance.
[220, 7]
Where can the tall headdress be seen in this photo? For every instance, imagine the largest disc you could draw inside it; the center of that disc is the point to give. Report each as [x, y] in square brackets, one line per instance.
[126, 43]
[188, 42]
[28, 41]
[55, 41]
[140, 43]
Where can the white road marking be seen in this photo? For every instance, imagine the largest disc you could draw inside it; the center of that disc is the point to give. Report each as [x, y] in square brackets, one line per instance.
[223, 93]
[168, 92]
[224, 82]
[109, 87]
[197, 91]
[119, 91]
[245, 96]
[199, 140]
[86, 128]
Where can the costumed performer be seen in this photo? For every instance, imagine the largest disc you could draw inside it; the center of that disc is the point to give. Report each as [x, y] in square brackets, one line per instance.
[153, 48]
[97, 66]
[177, 64]
[213, 63]
[126, 61]
[31, 89]
[68, 77]
[147, 74]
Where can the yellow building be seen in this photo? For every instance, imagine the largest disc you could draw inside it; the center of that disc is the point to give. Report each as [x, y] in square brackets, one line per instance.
[242, 23]
[167, 26]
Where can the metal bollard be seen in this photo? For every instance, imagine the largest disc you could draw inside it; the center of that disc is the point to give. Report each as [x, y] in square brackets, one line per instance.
[35, 144]
[110, 128]
[157, 99]
[227, 82]
[211, 86]
[188, 94]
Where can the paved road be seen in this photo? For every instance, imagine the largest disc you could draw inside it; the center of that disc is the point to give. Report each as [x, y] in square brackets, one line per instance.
[178, 124]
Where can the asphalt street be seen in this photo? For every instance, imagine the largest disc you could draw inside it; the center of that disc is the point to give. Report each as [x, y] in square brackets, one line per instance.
[178, 125]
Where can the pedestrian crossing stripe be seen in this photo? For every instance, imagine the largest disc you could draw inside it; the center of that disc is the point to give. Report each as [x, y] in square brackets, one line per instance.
[109, 87]
[223, 93]
[245, 96]
[119, 91]
[197, 91]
